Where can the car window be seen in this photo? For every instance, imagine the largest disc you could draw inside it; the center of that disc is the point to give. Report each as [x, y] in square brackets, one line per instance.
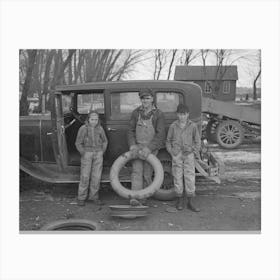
[123, 103]
[66, 103]
[90, 101]
[167, 102]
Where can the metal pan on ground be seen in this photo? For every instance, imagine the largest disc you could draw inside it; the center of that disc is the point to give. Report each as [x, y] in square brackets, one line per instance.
[128, 211]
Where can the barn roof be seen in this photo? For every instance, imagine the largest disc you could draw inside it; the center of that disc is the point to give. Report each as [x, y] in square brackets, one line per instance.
[198, 73]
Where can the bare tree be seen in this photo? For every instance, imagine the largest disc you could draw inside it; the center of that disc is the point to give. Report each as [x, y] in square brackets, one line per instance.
[78, 65]
[160, 58]
[166, 60]
[126, 64]
[188, 55]
[223, 58]
[171, 63]
[50, 56]
[53, 67]
[204, 53]
[257, 77]
[27, 83]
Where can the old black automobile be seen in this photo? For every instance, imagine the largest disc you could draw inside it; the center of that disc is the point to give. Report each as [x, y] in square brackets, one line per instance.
[47, 142]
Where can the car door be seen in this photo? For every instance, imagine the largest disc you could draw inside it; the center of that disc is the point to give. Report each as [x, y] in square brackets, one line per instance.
[120, 103]
[58, 133]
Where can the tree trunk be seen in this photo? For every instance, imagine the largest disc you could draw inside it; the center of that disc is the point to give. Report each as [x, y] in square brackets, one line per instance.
[70, 76]
[59, 73]
[255, 86]
[27, 83]
[47, 77]
[171, 63]
[79, 66]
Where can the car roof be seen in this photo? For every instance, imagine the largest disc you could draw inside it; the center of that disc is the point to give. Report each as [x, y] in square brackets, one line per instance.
[126, 84]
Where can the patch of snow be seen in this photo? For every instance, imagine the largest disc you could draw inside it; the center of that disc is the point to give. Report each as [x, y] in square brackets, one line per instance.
[239, 156]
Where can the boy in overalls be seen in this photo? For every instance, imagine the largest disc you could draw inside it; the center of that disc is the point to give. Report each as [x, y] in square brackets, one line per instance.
[146, 134]
[183, 144]
[91, 142]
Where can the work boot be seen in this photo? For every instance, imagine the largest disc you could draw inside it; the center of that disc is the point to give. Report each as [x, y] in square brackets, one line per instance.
[191, 206]
[80, 202]
[180, 203]
[134, 202]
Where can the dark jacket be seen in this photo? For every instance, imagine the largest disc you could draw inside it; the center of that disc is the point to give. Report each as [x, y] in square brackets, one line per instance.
[158, 121]
[91, 139]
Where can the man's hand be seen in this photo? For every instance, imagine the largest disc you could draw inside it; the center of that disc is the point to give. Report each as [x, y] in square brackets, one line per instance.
[144, 153]
[133, 147]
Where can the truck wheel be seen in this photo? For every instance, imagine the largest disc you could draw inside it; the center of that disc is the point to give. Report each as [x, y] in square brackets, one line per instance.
[230, 134]
[138, 194]
[167, 191]
[72, 225]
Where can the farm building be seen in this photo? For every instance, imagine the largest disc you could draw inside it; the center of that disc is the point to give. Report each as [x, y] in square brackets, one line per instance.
[218, 82]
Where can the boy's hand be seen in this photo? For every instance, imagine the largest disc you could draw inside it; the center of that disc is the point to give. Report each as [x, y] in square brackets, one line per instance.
[177, 156]
[203, 164]
[175, 152]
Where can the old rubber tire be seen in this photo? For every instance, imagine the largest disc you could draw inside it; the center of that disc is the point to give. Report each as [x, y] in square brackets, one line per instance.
[72, 225]
[230, 134]
[138, 194]
[167, 190]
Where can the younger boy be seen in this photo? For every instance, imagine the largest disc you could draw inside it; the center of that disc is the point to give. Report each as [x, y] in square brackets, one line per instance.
[183, 144]
[91, 142]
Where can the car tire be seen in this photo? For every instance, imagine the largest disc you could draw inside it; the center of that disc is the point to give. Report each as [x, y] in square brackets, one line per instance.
[138, 194]
[72, 225]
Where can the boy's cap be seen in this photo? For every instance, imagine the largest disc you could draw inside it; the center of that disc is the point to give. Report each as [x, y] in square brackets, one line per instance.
[145, 92]
[182, 109]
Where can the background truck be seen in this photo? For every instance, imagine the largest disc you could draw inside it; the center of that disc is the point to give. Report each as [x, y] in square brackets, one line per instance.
[225, 122]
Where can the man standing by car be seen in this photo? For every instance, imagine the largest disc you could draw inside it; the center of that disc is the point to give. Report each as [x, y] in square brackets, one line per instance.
[146, 134]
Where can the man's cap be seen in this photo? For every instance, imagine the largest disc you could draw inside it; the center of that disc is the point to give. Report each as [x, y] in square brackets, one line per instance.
[145, 92]
[182, 109]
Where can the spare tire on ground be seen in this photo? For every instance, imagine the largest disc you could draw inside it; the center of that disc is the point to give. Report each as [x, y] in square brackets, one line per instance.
[72, 225]
[120, 162]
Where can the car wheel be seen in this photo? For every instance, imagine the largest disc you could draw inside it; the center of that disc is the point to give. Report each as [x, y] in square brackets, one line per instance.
[138, 194]
[230, 134]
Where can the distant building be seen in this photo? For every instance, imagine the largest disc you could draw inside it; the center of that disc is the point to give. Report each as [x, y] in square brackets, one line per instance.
[216, 82]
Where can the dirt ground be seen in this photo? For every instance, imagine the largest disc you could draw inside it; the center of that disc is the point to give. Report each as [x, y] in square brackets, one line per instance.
[234, 205]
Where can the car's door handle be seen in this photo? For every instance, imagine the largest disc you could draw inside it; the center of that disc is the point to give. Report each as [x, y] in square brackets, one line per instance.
[111, 129]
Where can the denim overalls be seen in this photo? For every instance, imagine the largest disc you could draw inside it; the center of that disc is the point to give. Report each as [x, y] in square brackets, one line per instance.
[141, 170]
